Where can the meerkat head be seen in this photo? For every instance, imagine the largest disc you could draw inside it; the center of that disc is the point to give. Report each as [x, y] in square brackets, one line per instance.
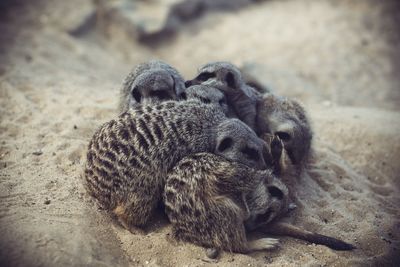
[222, 75]
[208, 95]
[152, 86]
[238, 142]
[267, 202]
[151, 82]
[287, 120]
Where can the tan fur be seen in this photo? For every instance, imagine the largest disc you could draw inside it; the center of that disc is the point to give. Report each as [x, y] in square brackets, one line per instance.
[208, 201]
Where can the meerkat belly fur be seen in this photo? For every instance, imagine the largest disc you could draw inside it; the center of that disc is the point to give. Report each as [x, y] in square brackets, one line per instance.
[128, 158]
[151, 82]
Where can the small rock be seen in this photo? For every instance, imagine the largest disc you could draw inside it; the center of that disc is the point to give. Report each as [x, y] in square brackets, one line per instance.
[75, 127]
[37, 153]
[47, 201]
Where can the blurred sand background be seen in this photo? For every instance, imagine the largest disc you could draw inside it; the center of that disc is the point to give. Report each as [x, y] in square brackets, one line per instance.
[62, 64]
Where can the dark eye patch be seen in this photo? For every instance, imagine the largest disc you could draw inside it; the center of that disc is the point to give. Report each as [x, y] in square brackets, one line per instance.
[251, 153]
[160, 94]
[222, 102]
[230, 79]
[225, 144]
[188, 84]
[202, 77]
[136, 95]
[283, 136]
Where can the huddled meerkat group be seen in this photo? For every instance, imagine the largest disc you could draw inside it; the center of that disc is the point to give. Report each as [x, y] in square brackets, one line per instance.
[213, 150]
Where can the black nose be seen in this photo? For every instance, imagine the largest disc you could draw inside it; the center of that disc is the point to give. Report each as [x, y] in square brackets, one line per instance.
[188, 83]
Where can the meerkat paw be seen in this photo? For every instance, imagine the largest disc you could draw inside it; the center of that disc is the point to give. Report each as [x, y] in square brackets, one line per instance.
[263, 243]
[276, 147]
[212, 253]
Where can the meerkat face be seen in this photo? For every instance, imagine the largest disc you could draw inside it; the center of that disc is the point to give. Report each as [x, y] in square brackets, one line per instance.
[291, 127]
[208, 95]
[152, 86]
[267, 202]
[222, 75]
[237, 142]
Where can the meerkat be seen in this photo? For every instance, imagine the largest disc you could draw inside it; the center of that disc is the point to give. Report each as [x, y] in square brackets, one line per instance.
[213, 202]
[266, 113]
[129, 157]
[150, 82]
[208, 95]
[227, 78]
[205, 200]
[287, 119]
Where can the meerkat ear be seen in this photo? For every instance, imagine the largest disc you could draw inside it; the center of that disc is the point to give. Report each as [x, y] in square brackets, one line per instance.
[275, 192]
[179, 87]
[225, 144]
[183, 96]
[230, 79]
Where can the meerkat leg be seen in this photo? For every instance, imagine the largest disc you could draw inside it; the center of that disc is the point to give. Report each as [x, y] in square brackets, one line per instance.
[134, 215]
[212, 253]
[262, 244]
[277, 156]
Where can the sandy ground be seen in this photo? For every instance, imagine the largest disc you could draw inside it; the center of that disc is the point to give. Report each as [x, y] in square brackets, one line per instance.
[340, 58]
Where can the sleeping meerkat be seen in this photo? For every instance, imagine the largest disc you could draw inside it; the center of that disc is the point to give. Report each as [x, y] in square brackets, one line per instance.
[129, 157]
[227, 78]
[266, 113]
[150, 82]
[205, 200]
[212, 202]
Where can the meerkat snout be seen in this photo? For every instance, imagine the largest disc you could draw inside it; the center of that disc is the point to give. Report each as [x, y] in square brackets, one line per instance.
[152, 87]
[237, 142]
[151, 82]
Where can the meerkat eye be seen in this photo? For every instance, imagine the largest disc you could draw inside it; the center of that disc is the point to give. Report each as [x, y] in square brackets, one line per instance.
[275, 192]
[205, 76]
[251, 153]
[230, 79]
[283, 136]
[188, 84]
[136, 95]
[160, 94]
[225, 144]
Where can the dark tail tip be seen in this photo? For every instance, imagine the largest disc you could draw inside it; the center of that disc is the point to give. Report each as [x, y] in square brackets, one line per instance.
[332, 243]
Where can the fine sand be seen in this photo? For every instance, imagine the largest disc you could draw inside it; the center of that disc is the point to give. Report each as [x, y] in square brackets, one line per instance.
[340, 58]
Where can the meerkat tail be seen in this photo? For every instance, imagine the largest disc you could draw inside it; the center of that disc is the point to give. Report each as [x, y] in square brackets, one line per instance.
[286, 229]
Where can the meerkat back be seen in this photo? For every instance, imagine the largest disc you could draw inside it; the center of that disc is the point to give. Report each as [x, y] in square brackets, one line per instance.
[128, 157]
